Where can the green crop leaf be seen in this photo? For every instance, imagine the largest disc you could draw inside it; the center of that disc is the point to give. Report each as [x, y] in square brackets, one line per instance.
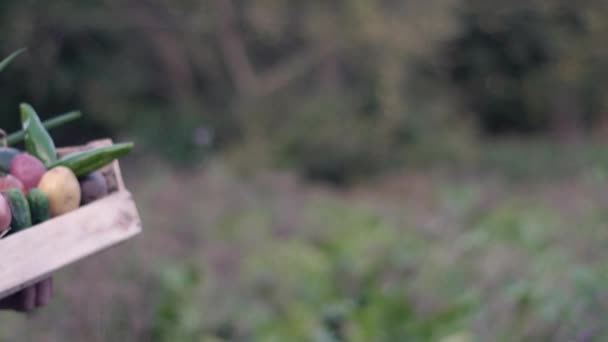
[10, 58]
[49, 124]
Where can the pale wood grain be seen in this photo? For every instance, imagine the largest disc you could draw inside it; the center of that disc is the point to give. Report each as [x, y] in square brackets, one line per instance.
[36, 252]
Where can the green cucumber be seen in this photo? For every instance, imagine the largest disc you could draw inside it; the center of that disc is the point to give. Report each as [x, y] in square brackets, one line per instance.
[39, 206]
[85, 162]
[6, 157]
[20, 209]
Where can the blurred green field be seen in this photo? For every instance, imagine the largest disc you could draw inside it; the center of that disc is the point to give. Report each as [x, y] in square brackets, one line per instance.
[422, 255]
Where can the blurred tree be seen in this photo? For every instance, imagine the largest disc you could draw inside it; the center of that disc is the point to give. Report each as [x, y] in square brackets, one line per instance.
[525, 66]
[294, 78]
[245, 68]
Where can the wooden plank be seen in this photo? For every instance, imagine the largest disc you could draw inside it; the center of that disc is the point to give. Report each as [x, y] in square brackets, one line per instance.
[33, 254]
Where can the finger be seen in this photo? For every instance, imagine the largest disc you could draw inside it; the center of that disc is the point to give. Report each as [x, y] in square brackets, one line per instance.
[28, 299]
[43, 292]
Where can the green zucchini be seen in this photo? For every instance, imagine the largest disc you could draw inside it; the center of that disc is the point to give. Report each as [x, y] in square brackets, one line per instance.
[39, 206]
[20, 209]
[6, 157]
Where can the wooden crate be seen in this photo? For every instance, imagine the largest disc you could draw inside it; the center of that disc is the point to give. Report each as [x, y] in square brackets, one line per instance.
[33, 254]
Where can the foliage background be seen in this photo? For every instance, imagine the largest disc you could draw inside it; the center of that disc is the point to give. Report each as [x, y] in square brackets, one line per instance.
[331, 170]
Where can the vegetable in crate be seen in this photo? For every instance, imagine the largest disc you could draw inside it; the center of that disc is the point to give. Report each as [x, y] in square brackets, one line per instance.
[39, 206]
[62, 188]
[5, 214]
[85, 162]
[8, 182]
[6, 157]
[28, 169]
[20, 210]
[6, 153]
[93, 187]
[38, 141]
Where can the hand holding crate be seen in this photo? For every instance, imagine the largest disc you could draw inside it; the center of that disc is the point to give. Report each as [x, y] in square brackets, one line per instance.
[57, 207]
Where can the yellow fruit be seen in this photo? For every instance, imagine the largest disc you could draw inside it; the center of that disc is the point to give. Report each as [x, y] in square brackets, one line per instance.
[62, 187]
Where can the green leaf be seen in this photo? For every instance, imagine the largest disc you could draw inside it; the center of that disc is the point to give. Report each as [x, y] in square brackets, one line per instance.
[10, 58]
[55, 122]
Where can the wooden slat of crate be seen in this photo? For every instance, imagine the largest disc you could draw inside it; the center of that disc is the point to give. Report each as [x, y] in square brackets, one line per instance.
[33, 254]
